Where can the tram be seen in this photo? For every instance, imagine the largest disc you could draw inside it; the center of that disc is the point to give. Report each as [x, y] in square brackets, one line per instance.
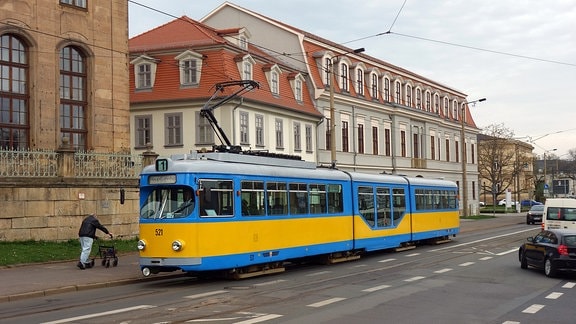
[248, 215]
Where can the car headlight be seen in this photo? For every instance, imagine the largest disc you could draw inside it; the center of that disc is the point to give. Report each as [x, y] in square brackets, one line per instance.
[141, 245]
[177, 245]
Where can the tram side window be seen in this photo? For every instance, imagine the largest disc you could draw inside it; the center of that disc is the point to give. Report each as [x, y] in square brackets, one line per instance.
[383, 207]
[398, 202]
[335, 199]
[318, 199]
[277, 198]
[366, 204]
[216, 198]
[298, 198]
[253, 199]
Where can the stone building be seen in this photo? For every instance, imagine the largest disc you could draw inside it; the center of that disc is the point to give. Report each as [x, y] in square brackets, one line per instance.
[64, 103]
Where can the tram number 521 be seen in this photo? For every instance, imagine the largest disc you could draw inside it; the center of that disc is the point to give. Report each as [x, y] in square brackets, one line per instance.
[158, 232]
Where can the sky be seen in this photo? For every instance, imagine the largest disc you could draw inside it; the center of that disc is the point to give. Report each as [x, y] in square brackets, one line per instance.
[520, 55]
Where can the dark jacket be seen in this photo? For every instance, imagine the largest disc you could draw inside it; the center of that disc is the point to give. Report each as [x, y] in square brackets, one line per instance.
[89, 226]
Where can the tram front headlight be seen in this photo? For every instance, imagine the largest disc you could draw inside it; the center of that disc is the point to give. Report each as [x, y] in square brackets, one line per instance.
[141, 245]
[177, 245]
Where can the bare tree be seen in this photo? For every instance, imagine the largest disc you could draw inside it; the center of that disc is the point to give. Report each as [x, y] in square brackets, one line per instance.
[500, 161]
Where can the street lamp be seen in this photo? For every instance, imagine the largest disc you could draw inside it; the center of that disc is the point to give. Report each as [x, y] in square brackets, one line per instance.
[332, 112]
[464, 156]
[544, 189]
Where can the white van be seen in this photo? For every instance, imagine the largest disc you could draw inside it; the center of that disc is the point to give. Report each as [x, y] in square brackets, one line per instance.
[559, 213]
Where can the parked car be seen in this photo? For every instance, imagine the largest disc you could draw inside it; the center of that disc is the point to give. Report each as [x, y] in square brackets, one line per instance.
[503, 203]
[535, 214]
[553, 250]
[530, 202]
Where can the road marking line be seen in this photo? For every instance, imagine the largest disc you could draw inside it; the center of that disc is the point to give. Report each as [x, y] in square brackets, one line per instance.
[414, 279]
[511, 322]
[506, 252]
[206, 294]
[326, 302]
[412, 254]
[260, 319]
[465, 264]
[482, 240]
[443, 270]
[533, 309]
[387, 260]
[318, 273]
[554, 295]
[373, 289]
[485, 258]
[273, 282]
[569, 285]
[112, 312]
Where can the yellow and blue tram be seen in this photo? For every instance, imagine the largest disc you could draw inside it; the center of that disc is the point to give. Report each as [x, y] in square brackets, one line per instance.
[249, 215]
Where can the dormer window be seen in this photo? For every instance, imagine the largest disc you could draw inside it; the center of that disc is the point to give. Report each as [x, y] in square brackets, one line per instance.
[190, 64]
[455, 109]
[344, 77]
[245, 65]
[243, 42]
[446, 107]
[408, 95]
[273, 76]
[418, 98]
[374, 86]
[144, 72]
[397, 91]
[436, 103]
[360, 81]
[297, 83]
[386, 89]
[428, 101]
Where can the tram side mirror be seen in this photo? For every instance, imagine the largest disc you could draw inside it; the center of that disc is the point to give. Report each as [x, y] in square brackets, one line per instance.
[122, 196]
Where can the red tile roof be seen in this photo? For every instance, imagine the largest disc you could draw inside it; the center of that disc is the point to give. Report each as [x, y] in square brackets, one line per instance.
[166, 42]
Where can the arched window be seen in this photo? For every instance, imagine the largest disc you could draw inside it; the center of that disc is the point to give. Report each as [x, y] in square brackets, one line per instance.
[14, 110]
[73, 104]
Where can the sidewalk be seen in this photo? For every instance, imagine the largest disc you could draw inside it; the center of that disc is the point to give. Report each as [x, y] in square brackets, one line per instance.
[37, 280]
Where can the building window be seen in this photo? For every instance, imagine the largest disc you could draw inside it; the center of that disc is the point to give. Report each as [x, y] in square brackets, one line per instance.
[472, 153]
[308, 138]
[14, 120]
[328, 133]
[447, 150]
[374, 140]
[75, 3]
[279, 133]
[360, 82]
[374, 86]
[243, 42]
[144, 75]
[344, 77]
[428, 101]
[446, 107]
[328, 71]
[143, 130]
[173, 129]
[416, 146]
[344, 136]
[247, 70]
[473, 189]
[457, 150]
[455, 110]
[204, 131]
[387, 142]
[297, 137]
[298, 90]
[73, 103]
[398, 91]
[432, 148]
[188, 72]
[244, 128]
[403, 143]
[274, 83]
[386, 89]
[418, 98]
[361, 138]
[408, 96]
[259, 130]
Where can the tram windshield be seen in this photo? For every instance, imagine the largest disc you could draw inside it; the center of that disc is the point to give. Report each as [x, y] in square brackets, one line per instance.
[174, 202]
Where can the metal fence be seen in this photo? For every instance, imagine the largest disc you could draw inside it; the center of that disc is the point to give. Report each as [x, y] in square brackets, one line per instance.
[44, 163]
